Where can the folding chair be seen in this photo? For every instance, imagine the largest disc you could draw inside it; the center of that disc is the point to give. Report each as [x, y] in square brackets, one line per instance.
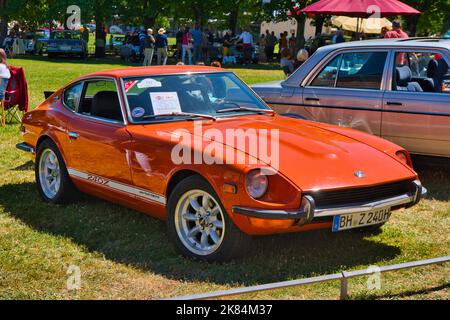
[15, 103]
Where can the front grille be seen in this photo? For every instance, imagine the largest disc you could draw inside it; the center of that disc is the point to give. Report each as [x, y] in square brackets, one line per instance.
[341, 197]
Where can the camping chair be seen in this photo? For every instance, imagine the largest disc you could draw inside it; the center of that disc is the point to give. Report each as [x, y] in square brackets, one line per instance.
[15, 103]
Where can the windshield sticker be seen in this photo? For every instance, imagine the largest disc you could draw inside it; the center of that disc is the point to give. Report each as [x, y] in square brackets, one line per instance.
[165, 102]
[128, 85]
[138, 112]
[149, 83]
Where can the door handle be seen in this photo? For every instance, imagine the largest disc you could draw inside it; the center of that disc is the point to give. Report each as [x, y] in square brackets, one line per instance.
[390, 103]
[73, 135]
[312, 99]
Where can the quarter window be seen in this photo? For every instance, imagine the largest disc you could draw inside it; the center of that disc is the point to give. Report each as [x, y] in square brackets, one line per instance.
[358, 70]
[72, 96]
[100, 100]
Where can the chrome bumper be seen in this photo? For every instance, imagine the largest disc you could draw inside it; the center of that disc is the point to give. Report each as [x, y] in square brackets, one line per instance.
[309, 211]
[25, 147]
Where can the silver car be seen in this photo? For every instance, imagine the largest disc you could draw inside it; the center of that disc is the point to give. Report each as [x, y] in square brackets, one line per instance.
[398, 89]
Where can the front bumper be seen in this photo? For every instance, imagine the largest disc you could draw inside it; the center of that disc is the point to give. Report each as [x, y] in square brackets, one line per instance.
[308, 211]
[25, 147]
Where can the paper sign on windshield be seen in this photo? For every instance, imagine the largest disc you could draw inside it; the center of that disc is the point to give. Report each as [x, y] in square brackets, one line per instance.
[165, 102]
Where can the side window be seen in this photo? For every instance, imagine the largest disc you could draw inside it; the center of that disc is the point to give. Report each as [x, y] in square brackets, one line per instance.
[100, 99]
[421, 72]
[362, 70]
[72, 96]
[327, 77]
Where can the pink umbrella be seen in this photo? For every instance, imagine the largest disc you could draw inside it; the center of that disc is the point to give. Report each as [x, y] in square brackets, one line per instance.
[360, 8]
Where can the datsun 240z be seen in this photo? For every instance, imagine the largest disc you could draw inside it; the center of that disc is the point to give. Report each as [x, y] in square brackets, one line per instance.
[176, 143]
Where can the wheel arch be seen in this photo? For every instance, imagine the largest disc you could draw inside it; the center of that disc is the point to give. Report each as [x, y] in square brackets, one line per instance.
[46, 136]
[179, 176]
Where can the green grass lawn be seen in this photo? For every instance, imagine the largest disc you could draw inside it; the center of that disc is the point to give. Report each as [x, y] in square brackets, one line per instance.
[124, 254]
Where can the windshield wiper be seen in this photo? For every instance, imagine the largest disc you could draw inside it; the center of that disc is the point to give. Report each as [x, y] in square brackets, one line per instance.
[246, 109]
[180, 114]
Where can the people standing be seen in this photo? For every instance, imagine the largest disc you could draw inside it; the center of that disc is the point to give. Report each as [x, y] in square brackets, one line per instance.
[226, 43]
[283, 42]
[161, 45]
[179, 40]
[149, 45]
[4, 78]
[262, 48]
[205, 46]
[397, 31]
[247, 45]
[197, 42]
[271, 41]
[186, 43]
[293, 43]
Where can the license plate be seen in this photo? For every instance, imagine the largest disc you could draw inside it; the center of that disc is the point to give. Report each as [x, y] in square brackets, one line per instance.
[359, 220]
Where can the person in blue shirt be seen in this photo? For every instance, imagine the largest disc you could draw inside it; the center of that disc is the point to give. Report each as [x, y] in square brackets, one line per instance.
[197, 36]
[161, 46]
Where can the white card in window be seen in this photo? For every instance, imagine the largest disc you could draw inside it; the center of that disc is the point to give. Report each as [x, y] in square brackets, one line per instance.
[149, 83]
[165, 102]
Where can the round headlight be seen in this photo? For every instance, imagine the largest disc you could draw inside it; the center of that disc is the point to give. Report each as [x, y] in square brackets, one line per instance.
[256, 184]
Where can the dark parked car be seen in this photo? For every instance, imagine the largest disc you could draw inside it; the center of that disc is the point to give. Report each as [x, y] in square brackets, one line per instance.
[36, 42]
[67, 43]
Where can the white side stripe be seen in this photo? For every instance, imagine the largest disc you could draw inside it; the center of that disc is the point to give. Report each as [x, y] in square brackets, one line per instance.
[117, 186]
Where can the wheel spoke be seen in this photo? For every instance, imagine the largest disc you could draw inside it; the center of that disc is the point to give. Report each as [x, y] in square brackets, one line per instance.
[193, 232]
[190, 217]
[194, 204]
[214, 236]
[218, 224]
[205, 202]
[204, 240]
[215, 211]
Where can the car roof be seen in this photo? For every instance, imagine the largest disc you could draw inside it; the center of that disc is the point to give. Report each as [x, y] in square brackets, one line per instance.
[404, 43]
[156, 70]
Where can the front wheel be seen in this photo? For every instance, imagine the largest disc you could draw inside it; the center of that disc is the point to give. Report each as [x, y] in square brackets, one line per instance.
[199, 225]
[53, 181]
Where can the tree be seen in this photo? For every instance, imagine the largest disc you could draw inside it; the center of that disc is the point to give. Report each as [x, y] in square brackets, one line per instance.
[435, 14]
[282, 10]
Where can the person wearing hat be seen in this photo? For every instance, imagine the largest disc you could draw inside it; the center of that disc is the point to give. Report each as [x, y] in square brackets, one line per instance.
[149, 44]
[396, 32]
[161, 45]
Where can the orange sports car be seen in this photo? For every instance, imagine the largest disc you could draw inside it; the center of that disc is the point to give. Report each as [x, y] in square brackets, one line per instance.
[196, 147]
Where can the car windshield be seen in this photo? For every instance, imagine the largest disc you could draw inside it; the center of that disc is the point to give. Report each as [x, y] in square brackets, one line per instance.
[216, 95]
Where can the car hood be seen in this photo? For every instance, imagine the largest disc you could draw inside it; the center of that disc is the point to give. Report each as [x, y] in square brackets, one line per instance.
[314, 157]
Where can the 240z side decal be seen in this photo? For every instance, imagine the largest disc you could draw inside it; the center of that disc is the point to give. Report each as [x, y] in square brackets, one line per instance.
[132, 190]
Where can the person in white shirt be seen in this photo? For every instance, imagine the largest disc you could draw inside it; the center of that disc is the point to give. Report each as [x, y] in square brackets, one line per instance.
[247, 45]
[4, 78]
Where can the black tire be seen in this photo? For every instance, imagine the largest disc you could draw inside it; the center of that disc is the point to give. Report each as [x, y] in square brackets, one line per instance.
[235, 243]
[67, 192]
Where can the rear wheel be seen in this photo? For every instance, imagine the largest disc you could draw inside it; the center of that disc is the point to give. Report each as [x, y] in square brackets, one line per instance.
[199, 225]
[53, 181]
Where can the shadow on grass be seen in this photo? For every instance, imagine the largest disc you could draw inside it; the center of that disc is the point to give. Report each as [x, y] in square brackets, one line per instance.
[25, 167]
[128, 237]
[435, 177]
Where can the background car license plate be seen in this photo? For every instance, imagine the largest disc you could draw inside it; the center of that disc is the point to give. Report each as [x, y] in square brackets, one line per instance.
[358, 220]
